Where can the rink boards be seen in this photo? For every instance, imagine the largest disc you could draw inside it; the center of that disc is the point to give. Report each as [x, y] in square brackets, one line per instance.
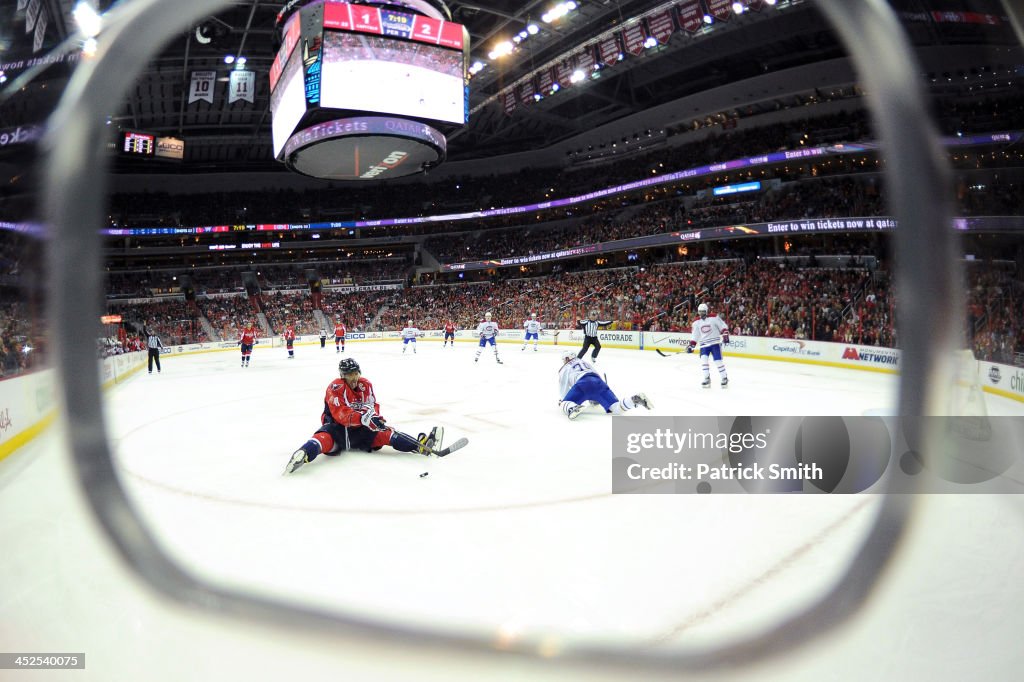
[28, 404]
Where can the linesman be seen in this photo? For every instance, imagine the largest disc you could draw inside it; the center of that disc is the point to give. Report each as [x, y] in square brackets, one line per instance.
[590, 327]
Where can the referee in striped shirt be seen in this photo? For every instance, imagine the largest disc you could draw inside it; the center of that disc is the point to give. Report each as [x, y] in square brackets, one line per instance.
[153, 344]
[590, 327]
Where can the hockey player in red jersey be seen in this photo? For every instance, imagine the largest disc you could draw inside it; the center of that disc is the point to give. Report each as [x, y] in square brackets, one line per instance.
[247, 340]
[339, 337]
[289, 340]
[351, 421]
[449, 333]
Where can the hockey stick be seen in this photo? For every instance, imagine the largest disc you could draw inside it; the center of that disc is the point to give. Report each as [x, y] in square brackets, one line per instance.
[457, 445]
[443, 452]
[668, 355]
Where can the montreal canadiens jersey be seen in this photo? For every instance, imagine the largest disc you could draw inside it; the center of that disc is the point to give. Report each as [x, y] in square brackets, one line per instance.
[572, 372]
[708, 332]
[487, 329]
[410, 333]
[532, 326]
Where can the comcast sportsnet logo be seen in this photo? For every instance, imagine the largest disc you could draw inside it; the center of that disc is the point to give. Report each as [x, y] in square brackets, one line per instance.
[872, 356]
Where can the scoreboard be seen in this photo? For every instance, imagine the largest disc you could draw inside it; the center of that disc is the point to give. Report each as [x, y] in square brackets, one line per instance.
[138, 144]
[386, 22]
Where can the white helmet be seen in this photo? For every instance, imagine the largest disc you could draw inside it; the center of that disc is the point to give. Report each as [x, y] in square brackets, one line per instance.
[533, 316]
[487, 316]
[702, 310]
[410, 323]
[568, 357]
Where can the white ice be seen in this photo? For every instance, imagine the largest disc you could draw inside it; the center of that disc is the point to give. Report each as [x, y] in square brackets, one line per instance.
[518, 536]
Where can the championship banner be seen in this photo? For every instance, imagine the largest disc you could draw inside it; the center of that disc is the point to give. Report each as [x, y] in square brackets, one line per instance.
[661, 26]
[544, 81]
[585, 60]
[633, 39]
[526, 92]
[720, 9]
[608, 49]
[34, 8]
[509, 101]
[242, 85]
[40, 32]
[563, 72]
[202, 86]
[691, 16]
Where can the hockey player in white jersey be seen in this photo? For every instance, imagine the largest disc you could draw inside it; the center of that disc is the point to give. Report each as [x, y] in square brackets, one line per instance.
[532, 327]
[488, 333]
[409, 335]
[579, 383]
[708, 334]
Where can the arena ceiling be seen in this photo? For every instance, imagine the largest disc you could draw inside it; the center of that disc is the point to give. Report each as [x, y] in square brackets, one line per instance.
[232, 136]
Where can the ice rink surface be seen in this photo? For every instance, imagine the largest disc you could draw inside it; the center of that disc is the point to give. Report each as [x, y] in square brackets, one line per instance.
[518, 535]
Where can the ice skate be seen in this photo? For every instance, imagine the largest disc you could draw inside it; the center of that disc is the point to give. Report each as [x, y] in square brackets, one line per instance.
[574, 412]
[706, 383]
[725, 382]
[430, 443]
[499, 361]
[299, 458]
[641, 400]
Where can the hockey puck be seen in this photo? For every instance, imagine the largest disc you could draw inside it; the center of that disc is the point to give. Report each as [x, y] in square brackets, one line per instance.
[424, 474]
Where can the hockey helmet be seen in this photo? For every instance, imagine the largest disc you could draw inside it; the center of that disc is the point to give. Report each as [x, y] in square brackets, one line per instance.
[410, 323]
[487, 316]
[702, 310]
[568, 357]
[348, 366]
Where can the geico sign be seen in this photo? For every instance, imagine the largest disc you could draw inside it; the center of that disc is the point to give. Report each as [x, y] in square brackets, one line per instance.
[393, 159]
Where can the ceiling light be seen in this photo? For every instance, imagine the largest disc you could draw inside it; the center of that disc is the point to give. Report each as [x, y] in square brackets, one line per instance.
[88, 20]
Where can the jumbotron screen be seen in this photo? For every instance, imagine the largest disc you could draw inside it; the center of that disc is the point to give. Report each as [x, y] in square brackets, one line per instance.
[363, 72]
[287, 102]
[366, 60]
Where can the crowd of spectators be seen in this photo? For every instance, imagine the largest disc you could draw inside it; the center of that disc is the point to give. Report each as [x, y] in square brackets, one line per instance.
[22, 343]
[826, 198]
[454, 194]
[175, 320]
[995, 321]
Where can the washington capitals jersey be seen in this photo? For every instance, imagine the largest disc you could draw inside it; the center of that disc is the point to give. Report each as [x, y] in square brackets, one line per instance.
[345, 405]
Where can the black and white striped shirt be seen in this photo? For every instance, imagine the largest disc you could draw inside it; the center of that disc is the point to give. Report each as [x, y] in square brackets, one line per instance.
[590, 326]
[153, 342]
